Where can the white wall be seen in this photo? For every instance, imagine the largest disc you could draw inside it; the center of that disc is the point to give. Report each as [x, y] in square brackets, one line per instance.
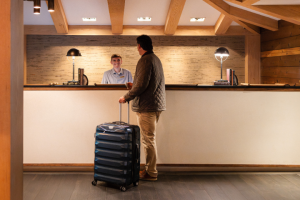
[199, 127]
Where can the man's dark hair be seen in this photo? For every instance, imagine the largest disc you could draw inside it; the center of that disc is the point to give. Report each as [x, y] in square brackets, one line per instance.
[115, 56]
[145, 42]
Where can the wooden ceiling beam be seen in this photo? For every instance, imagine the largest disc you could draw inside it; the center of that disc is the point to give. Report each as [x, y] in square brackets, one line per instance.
[281, 52]
[132, 30]
[255, 19]
[222, 24]
[59, 18]
[249, 2]
[288, 13]
[173, 17]
[224, 8]
[116, 12]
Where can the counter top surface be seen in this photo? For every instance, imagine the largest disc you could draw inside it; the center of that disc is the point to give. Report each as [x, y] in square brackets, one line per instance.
[168, 87]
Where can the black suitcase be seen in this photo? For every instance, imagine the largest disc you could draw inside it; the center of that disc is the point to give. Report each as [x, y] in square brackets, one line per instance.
[117, 153]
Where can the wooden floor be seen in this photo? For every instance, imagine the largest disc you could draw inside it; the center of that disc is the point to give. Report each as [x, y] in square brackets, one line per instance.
[238, 186]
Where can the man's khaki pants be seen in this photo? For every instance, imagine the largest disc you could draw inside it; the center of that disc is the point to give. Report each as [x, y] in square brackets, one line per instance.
[147, 122]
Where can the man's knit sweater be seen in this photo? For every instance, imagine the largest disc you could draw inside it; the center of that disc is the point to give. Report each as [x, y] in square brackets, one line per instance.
[148, 89]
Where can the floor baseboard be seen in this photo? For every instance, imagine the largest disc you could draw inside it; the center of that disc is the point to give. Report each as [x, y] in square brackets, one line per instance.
[167, 168]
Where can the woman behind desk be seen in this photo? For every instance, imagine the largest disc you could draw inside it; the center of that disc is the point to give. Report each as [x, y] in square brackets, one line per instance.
[116, 75]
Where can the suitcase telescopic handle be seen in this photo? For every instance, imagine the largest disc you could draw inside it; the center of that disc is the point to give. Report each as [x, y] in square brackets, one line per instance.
[121, 112]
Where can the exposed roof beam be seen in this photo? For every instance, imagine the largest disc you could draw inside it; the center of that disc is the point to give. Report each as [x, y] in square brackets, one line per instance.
[222, 24]
[254, 19]
[175, 10]
[116, 12]
[252, 28]
[132, 30]
[224, 8]
[249, 2]
[244, 15]
[288, 13]
[59, 18]
[256, 29]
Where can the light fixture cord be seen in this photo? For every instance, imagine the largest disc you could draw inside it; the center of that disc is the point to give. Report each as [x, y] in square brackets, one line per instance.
[221, 66]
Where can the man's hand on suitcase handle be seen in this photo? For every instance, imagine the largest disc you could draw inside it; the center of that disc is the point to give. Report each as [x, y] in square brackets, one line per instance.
[122, 100]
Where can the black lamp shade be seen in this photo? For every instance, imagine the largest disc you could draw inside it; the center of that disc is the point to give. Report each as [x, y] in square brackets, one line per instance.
[73, 52]
[37, 3]
[51, 5]
[36, 11]
[222, 51]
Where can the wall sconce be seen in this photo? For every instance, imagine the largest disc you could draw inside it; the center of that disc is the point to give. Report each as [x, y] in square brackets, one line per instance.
[51, 5]
[74, 53]
[221, 53]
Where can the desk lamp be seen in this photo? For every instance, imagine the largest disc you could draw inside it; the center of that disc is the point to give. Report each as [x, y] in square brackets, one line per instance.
[222, 53]
[74, 53]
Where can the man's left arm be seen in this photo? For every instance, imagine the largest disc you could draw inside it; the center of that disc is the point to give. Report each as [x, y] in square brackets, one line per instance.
[141, 82]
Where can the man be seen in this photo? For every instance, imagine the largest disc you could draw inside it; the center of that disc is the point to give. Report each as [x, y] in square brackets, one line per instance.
[148, 95]
[116, 75]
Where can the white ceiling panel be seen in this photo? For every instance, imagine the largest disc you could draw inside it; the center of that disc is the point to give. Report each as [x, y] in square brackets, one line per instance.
[31, 19]
[156, 9]
[75, 10]
[198, 9]
[278, 2]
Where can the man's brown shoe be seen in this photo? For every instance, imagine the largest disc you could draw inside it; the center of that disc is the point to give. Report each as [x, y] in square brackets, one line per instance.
[142, 173]
[146, 177]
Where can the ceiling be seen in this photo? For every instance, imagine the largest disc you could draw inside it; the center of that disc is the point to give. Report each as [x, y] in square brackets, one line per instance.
[75, 10]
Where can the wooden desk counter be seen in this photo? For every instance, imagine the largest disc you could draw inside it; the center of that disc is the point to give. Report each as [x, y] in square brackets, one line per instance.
[218, 127]
[189, 87]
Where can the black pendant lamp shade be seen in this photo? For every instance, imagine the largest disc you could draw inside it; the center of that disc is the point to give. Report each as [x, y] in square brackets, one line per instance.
[222, 51]
[51, 5]
[73, 52]
[36, 11]
[37, 3]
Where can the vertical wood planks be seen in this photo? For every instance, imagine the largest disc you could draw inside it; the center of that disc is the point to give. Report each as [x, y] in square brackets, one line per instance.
[252, 59]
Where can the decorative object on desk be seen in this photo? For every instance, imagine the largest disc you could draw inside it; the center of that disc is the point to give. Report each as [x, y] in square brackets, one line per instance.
[82, 78]
[221, 55]
[51, 5]
[225, 82]
[73, 53]
[231, 77]
[70, 83]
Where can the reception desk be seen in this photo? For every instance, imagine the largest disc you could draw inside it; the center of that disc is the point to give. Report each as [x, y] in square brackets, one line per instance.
[202, 126]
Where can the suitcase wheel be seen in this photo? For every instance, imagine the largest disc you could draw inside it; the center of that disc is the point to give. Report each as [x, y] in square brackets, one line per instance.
[136, 183]
[94, 183]
[123, 189]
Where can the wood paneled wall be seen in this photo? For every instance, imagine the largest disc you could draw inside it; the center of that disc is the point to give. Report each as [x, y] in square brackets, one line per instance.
[252, 59]
[281, 69]
[11, 100]
[188, 60]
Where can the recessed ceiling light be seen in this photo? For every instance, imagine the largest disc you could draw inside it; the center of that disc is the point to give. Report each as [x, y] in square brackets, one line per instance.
[197, 19]
[144, 19]
[89, 19]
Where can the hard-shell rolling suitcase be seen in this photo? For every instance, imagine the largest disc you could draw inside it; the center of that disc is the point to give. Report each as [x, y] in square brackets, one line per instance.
[117, 153]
